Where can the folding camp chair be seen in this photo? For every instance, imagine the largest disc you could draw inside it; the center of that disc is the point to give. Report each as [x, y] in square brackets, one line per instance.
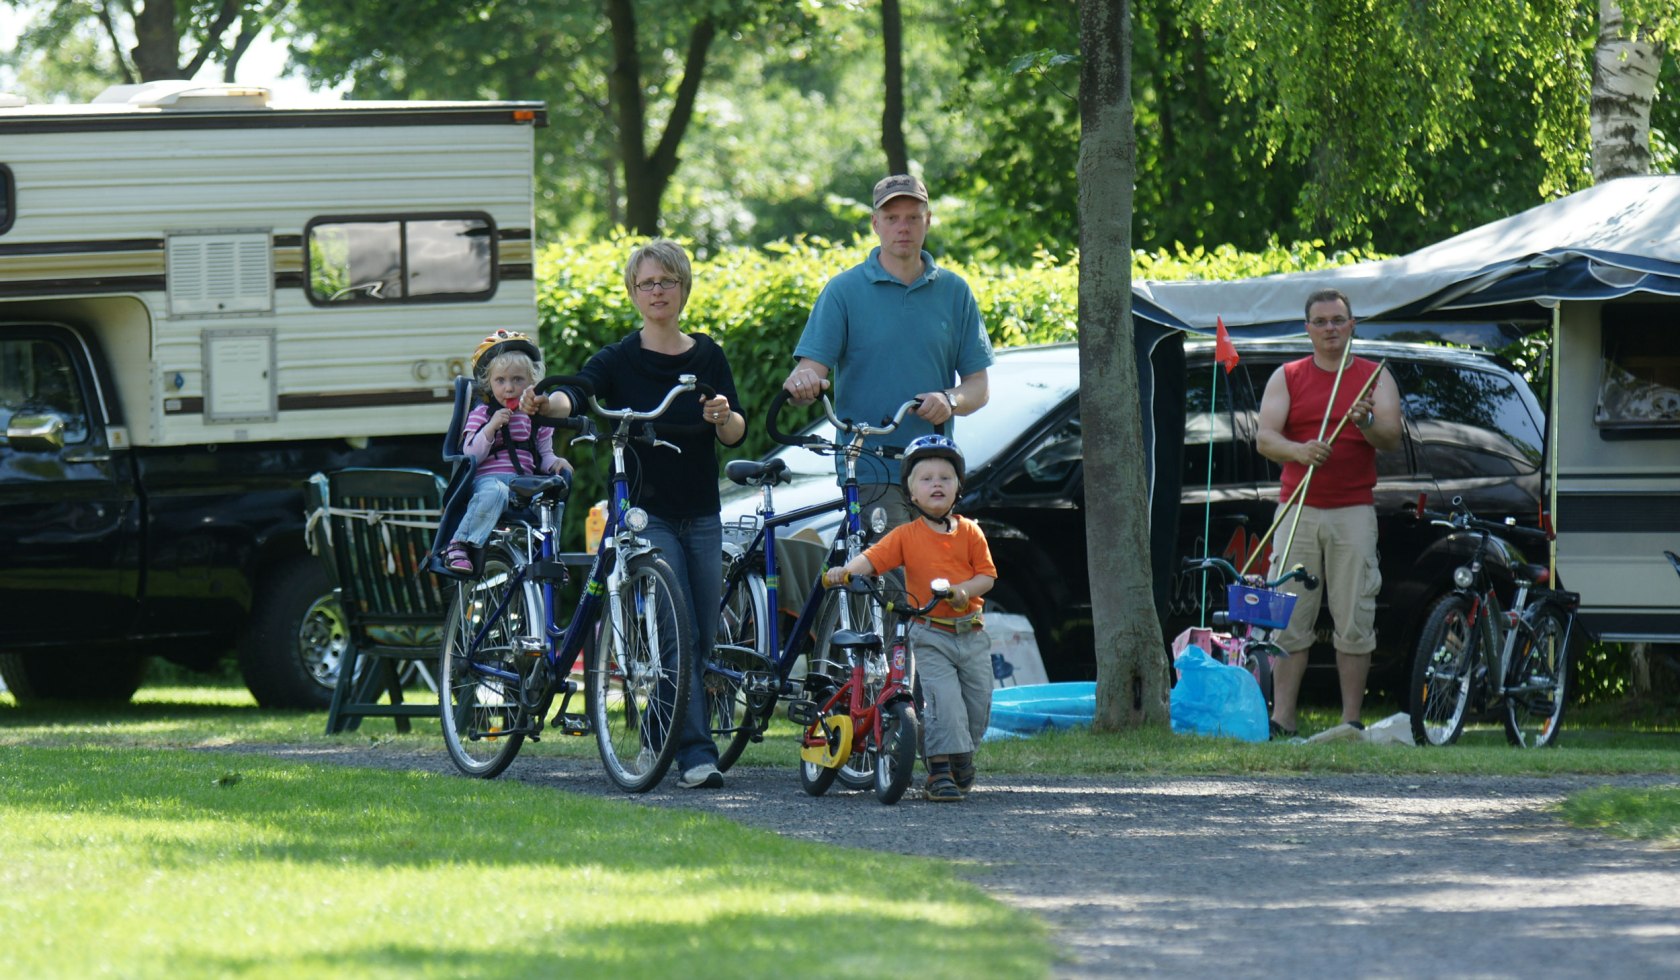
[373, 527]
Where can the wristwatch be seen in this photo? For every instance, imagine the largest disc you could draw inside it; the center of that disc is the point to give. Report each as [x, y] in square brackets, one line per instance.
[1370, 417]
[950, 399]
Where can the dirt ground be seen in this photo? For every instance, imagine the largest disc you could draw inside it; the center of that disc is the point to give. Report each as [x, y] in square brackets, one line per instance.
[1325, 876]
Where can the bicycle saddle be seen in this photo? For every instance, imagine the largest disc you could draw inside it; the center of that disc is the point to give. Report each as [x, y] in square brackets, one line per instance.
[524, 489]
[751, 472]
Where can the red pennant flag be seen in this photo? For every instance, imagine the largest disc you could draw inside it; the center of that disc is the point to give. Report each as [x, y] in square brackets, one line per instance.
[1224, 351]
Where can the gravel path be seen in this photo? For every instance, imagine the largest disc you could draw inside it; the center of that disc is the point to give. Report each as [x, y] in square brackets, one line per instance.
[1328, 876]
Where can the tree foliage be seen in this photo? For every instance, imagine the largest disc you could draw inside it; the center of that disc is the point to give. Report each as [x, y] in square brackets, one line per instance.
[82, 46]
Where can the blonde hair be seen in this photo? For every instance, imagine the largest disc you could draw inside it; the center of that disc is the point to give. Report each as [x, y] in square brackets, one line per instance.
[670, 257]
[503, 361]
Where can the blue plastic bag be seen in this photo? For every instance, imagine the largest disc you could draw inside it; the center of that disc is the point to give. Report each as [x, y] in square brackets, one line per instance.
[1212, 698]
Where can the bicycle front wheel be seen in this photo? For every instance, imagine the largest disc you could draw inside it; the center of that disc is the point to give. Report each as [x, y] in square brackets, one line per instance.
[846, 610]
[1537, 681]
[1443, 672]
[895, 757]
[492, 642]
[638, 675]
[742, 645]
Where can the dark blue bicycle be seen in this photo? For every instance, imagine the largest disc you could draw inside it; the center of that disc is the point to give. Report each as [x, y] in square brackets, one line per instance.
[752, 663]
[506, 655]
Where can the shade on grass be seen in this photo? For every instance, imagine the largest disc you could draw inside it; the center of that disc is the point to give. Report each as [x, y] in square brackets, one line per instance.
[170, 863]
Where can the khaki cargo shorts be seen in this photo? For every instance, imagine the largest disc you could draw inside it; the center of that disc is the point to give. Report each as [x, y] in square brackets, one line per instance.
[1339, 545]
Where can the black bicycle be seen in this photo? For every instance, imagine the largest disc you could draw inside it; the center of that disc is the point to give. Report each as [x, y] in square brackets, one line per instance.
[1474, 655]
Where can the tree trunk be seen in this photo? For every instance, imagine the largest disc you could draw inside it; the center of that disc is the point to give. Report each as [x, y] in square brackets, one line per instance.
[892, 111]
[1132, 682]
[647, 176]
[157, 43]
[1624, 83]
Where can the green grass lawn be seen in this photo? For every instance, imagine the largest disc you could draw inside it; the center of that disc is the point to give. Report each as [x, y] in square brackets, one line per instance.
[126, 852]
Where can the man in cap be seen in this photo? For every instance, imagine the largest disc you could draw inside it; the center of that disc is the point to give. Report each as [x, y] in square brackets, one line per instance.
[894, 327]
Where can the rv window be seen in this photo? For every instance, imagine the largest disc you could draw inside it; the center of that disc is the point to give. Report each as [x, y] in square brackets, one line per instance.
[8, 202]
[1640, 386]
[401, 259]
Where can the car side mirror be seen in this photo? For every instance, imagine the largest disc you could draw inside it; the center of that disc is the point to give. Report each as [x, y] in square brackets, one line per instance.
[36, 433]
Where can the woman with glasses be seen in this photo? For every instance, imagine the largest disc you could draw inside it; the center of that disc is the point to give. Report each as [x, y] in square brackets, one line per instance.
[679, 490]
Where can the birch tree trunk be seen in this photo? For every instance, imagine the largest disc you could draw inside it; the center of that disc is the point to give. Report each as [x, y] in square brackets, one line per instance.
[1624, 82]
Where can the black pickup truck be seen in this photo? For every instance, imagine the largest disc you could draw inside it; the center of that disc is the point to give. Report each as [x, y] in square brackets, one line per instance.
[116, 552]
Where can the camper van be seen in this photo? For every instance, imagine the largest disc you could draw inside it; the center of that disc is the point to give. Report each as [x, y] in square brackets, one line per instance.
[205, 296]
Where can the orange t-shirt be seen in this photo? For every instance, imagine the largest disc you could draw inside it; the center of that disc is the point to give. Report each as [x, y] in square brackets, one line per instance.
[927, 554]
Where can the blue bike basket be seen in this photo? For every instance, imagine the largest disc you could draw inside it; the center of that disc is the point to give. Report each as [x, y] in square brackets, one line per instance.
[1259, 607]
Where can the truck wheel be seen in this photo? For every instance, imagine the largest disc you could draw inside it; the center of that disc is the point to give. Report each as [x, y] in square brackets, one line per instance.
[71, 676]
[295, 640]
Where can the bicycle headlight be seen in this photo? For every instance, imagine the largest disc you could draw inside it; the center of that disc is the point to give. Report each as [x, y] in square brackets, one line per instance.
[1463, 577]
[636, 520]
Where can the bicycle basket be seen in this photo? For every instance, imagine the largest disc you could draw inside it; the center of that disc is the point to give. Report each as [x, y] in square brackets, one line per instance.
[1259, 607]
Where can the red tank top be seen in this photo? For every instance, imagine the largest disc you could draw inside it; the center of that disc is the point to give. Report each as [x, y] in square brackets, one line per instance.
[1346, 479]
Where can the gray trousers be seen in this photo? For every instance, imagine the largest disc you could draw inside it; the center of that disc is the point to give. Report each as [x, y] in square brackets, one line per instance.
[955, 670]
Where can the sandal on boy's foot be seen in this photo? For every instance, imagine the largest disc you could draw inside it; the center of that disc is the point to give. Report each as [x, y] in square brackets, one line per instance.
[962, 771]
[457, 559]
[941, 788]
[1280, 732]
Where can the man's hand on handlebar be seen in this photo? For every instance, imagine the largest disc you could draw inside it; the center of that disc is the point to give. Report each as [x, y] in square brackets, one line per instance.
[805, 385]
[935, 407]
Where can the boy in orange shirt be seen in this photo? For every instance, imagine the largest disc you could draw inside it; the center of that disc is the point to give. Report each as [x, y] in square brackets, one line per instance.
[953, 653]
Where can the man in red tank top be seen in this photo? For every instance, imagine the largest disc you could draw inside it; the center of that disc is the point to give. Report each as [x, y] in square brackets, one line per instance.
[1336, 537]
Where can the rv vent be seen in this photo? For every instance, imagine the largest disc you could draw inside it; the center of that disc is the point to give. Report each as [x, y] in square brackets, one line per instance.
[220, 274]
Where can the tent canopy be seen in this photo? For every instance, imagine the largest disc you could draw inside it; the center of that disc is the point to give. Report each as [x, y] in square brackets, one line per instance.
[1609, 240]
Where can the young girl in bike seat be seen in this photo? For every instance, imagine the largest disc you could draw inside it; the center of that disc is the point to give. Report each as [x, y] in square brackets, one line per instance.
[500, 437]
[953, 653]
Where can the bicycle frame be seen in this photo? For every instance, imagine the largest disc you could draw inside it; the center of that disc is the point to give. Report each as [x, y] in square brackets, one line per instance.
[866, 714]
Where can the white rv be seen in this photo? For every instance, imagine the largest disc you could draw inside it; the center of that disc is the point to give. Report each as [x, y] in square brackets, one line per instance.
[205, 296]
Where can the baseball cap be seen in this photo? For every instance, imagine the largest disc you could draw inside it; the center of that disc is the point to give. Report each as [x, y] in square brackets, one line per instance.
[899, 185]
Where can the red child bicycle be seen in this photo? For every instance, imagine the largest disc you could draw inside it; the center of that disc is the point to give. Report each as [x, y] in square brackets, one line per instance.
[874, 710]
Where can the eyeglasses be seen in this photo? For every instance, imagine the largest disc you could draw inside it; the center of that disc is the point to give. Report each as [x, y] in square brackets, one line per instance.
[1334, 321]
[647, 285]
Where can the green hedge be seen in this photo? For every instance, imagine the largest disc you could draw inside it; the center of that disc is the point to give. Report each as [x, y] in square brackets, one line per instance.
[754, 301]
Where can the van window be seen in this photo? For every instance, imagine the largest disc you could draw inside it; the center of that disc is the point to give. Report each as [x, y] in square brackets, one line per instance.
[1640, 383]
[401, 260]
[1209, 421]
[1468, 422]
[37, 378]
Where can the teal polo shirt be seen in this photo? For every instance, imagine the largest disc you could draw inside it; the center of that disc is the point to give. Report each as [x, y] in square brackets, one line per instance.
[885, 341]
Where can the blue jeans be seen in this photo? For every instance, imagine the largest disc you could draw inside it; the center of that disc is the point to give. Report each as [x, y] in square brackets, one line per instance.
[693, 547]
[489, 499]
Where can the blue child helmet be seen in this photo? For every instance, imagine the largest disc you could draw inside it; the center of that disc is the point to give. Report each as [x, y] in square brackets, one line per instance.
[929, 447]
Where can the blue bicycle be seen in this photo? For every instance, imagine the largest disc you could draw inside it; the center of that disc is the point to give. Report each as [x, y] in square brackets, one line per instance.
[751, 664]
[506, 655]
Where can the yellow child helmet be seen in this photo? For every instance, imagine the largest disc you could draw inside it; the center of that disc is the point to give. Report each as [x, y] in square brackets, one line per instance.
[503, 342]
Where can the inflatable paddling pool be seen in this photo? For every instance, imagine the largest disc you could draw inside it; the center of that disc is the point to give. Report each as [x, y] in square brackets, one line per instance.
[1033, 708]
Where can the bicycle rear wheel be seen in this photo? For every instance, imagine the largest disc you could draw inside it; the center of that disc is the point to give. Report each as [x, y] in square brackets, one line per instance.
[1536, 686]
[638, 675]
[895, 757]
[843, 609]
[494, 624]
[1443, 672]
[736, 717]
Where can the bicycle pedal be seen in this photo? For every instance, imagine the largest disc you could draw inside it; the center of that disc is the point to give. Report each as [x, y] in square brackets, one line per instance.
[758, 682]
[573, 724]
[803, 712]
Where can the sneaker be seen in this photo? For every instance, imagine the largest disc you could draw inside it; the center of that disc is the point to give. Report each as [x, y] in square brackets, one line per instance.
[703, 776]
[963, 771]
[457, 559]
[941, 788]
[1347, 731]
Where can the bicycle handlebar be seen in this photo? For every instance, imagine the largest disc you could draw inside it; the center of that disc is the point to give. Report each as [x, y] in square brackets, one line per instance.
[858, 430]
[868, 584]
[1460, 519]
[1297, 573]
